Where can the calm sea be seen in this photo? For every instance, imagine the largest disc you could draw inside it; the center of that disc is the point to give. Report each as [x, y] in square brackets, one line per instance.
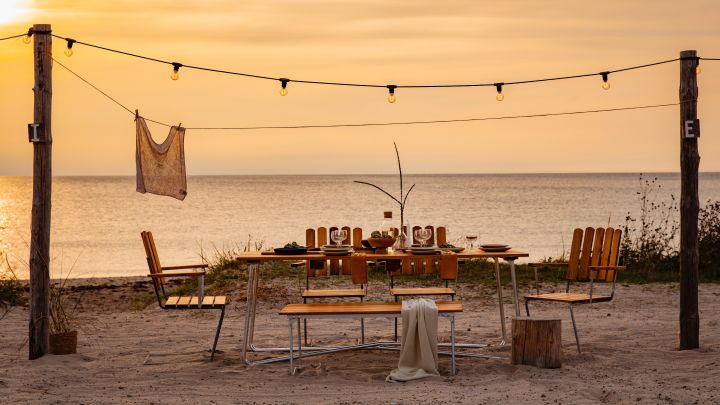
[96, 221]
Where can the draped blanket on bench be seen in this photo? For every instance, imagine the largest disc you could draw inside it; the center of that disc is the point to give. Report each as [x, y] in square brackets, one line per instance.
[418, 350]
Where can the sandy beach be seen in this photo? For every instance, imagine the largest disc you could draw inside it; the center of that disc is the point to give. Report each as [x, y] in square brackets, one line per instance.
[131, 355]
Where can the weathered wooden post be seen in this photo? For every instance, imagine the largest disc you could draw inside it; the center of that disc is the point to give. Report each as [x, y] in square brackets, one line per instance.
[41, 138]
[689, 202]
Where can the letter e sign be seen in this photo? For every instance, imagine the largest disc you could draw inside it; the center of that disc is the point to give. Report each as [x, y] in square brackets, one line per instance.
[691, 129]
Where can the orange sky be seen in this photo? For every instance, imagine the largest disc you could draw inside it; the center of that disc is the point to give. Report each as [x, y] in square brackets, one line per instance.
[371, 41]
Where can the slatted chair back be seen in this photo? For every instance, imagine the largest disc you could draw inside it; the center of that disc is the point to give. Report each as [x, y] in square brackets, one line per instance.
[427, 265]
[592, 248]
[321, 236]
[153, 261]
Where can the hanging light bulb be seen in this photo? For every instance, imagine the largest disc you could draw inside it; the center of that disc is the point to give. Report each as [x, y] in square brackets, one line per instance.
[697, 67]
[605, 84]
[283, 83]
[499, 96]
[69, 50]
[176, 71]
[26, 39]
[391, 93]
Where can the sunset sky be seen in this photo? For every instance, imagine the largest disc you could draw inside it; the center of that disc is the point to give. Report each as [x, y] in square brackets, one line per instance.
[370, 41]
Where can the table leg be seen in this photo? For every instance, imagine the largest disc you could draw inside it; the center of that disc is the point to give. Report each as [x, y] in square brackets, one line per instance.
[249, 310]
[511, 260]
[500, 300]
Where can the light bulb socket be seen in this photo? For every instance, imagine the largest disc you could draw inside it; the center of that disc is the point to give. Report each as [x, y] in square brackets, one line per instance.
[498, 87]
[30, 32]
[604, 76]
[176, 66]
[70, 42]
[391, 88]
[284, 82]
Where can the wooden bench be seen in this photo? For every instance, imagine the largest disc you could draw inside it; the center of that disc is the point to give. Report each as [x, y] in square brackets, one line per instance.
[296, 312]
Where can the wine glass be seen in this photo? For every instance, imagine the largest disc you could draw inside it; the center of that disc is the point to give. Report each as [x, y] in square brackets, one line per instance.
[422, 235]
[471, 238]
[338, 236]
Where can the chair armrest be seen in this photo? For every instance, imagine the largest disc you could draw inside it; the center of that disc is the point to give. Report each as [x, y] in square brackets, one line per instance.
[187, 274]
[190, 266]
[606, 267]
[547, 264]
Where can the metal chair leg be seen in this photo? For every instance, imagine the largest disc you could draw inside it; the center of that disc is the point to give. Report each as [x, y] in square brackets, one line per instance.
[362, 327]
[217, 333]
[577, 338]
[304, 325]
[452, 341]
[290, 346]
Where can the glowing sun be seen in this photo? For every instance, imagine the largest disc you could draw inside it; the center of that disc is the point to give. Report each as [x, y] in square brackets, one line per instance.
[12, 10]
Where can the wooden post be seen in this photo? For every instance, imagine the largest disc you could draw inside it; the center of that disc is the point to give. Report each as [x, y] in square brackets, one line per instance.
[536, 341]
[41, 204]
[689, 202]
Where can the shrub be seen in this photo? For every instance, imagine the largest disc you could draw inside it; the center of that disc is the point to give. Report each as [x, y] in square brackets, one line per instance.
[649, 244]
[709, 241]
[11, 289]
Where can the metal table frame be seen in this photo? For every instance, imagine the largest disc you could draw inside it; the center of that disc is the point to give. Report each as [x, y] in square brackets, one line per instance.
[255, 258]
[380, 345]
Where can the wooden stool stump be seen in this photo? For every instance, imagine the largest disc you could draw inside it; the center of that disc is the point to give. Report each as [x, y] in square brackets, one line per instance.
[536, 341]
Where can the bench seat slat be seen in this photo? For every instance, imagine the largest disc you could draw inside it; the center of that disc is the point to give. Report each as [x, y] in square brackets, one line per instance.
[340, 293]
[360, 308]
[422, 291]
[568, 297]
[209, 301]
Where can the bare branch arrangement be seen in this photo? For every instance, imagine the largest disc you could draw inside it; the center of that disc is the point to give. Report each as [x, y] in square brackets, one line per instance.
[403, 197]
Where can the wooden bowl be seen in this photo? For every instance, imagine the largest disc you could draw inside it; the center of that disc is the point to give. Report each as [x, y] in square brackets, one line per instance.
[381, 244]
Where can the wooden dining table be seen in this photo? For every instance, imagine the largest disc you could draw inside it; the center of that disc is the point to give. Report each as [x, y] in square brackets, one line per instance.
[254, 259]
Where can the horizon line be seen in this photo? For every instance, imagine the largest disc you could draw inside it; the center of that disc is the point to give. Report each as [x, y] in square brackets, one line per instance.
[374, 174]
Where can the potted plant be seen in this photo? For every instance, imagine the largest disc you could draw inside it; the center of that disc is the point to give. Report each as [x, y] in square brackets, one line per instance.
[63, 335]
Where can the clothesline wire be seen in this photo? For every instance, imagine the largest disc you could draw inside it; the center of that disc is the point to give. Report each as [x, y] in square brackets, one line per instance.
[375, 124]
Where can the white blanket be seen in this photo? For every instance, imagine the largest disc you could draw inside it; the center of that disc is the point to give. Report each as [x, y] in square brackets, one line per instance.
[418, 350]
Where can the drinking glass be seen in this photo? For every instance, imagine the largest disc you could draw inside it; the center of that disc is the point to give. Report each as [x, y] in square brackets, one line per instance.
[471, 238]
[423, 235]
[338, 236]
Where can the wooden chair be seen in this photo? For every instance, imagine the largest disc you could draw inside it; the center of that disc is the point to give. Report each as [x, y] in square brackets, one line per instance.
[334, 267]
[158, 274]
[444, 265]
[594, 259]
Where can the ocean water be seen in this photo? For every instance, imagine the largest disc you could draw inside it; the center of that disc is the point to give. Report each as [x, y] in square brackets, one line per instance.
[96, 221]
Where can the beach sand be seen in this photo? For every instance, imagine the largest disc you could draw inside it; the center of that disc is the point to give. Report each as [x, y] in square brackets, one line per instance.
[131, 355]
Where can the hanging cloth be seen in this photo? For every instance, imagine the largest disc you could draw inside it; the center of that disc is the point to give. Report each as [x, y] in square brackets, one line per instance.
[418, 346]
[160, 168]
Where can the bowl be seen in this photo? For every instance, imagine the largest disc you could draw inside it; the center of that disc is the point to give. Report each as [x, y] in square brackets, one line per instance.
[381, 243]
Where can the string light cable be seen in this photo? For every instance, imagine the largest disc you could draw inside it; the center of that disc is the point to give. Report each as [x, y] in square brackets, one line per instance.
[373, 124]
[391, 87]
[284, 80]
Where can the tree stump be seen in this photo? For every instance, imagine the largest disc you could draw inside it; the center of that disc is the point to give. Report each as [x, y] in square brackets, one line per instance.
[536, 341]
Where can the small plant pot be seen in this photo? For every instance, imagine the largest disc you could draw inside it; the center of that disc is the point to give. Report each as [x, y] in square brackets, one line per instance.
[381, 244]
[63, 343]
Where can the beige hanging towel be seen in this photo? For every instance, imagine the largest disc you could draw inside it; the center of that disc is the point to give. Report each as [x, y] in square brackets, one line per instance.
[160, 168]
[418, 345]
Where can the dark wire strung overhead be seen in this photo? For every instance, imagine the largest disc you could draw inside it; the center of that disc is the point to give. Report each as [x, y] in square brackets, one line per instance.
[390, 87]
[371, 124]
